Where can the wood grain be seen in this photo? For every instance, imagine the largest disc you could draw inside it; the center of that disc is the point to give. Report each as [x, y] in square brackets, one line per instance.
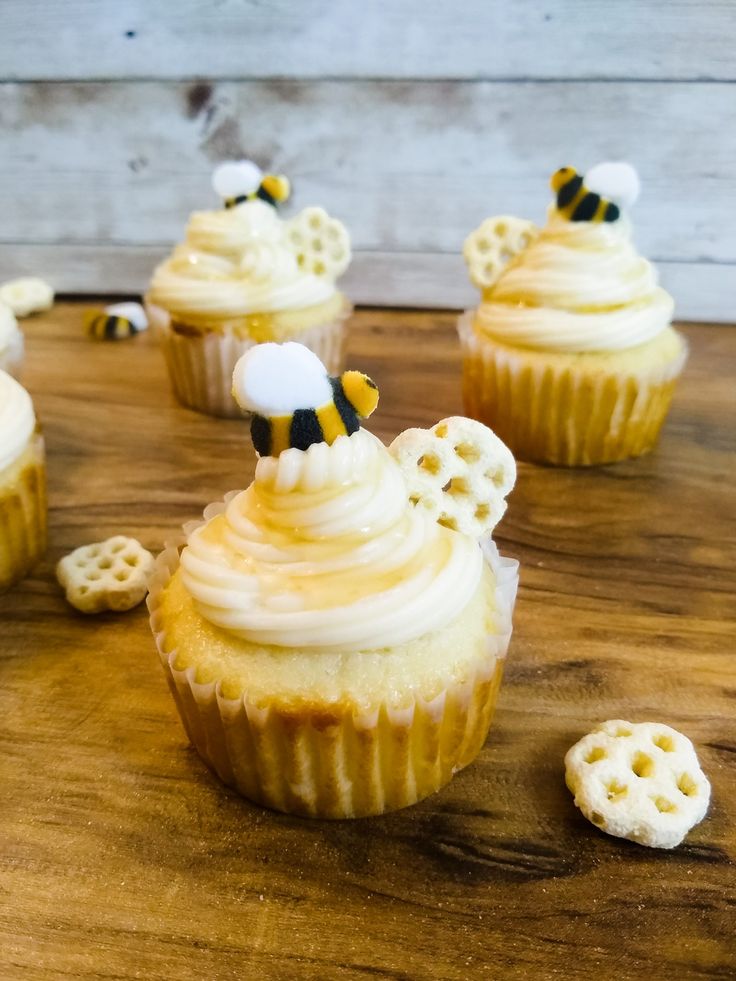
[121, 856]
[647, 39]
[411, 167]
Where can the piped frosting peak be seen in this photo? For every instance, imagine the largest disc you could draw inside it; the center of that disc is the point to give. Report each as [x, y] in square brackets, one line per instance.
[246, 259]
[334, 544]
[576, 284]
[17, 420]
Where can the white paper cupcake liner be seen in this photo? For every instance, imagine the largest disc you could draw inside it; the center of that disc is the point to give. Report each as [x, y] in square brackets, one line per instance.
[559, 413]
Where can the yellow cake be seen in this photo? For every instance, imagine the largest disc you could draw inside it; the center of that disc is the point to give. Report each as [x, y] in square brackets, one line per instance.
[244, 276]
[334, 649]
[22, 484]
[570, 355]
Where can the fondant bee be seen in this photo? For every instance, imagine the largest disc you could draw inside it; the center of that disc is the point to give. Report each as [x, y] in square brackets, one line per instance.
[116, 322]
[599, 196]
[576, 202]
[294, 402]
[242, 180]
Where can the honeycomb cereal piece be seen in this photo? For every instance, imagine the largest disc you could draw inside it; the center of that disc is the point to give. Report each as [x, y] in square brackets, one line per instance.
[638, 781]
[459, 471]
[27, 295]
[490, 248]
[321, 244]
[109, 575]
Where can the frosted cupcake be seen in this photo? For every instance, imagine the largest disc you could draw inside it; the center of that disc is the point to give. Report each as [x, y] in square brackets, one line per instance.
[11, 342]
[334, 636]
[243, 276]
[570, 355]
[22, 484]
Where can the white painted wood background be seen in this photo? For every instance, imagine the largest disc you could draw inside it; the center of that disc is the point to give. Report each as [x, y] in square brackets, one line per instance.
[411, 120]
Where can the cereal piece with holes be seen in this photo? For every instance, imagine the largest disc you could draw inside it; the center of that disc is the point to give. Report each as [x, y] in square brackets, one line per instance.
[27, 295]
[638, 781]
[109, 575]
[321, 244]
[458, 471]
[491, 247]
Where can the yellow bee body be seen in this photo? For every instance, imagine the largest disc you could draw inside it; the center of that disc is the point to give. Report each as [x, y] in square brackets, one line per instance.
[576, 203]
[355, 397]
[274, 189]
[109, 327]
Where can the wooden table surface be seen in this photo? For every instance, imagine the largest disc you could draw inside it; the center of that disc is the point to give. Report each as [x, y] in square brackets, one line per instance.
[122, 857]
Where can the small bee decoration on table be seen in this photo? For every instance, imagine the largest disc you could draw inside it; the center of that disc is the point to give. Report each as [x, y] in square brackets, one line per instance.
[118, 321]
[599, 196]
[294, 402]
[237, 181]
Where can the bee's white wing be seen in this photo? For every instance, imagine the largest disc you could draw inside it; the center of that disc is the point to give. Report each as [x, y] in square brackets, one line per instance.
[277, 379]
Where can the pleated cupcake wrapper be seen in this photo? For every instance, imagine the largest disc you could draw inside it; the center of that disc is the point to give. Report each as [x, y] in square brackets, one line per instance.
[563, 415]
[201, 366]
[23, 519]
[326, 761]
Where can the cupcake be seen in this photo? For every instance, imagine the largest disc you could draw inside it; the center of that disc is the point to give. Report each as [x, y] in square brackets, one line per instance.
[11, 342]
[334, 636]
[22, 484]
[570, 356]
[244, 276]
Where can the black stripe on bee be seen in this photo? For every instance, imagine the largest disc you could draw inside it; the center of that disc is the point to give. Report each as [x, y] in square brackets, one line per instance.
[347, 412]
[305, 429]
[231, 202]
[260, 433]
[110, 327]
[263, 194]
[586, 207]
[568, 191]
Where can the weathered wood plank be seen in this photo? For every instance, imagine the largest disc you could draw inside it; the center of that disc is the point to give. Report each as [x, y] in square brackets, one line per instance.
[121, 856]
[79, 39]
[703, 291]
[409, 167]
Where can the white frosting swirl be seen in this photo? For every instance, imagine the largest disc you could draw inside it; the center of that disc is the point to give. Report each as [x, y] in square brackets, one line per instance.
[324, 550]
[236, 262]
[11, 339]
[580, 286]
[17, 420]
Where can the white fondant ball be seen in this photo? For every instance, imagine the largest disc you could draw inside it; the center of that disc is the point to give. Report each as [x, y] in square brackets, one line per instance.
[133, 312]
[617, 182]
[277, 379]
[236, 177]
